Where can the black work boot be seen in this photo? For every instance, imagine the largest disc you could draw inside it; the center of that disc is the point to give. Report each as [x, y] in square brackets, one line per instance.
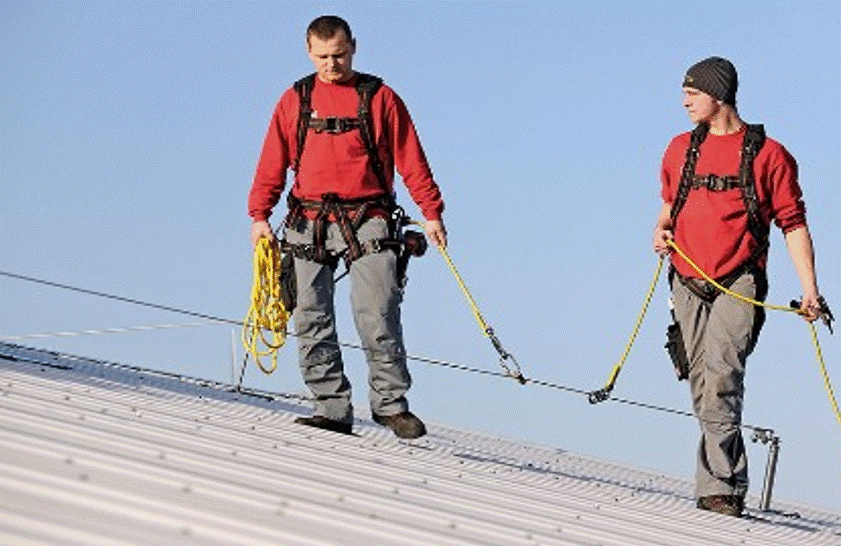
[319, 421]
[404, 425]
[729, 505]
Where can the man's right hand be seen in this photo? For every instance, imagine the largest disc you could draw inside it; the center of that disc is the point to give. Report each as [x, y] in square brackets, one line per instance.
[661, 239]
[261, 228]
[663, 230]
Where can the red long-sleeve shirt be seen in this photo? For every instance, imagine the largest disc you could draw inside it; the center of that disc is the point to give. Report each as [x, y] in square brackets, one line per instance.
[339, 163]
[712, 227]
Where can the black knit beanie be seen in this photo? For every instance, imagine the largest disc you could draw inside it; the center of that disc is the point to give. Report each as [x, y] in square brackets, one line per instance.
[714, 76]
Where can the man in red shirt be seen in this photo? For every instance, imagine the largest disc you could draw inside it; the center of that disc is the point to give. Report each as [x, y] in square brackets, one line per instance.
[708, 213]
[340, 207]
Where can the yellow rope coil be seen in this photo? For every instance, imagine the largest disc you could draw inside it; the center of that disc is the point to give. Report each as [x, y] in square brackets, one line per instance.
[266, 312]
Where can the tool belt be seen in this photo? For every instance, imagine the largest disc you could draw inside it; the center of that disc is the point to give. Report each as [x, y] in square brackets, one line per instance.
[705, 289]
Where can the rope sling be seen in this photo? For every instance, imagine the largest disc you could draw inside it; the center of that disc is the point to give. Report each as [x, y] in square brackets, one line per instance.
[604, 393]
[514, 371]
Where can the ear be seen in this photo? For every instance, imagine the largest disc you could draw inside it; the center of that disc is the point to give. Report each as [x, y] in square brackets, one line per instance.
[353, 46]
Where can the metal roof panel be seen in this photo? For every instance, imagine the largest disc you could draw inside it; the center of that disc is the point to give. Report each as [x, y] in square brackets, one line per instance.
[102, 453]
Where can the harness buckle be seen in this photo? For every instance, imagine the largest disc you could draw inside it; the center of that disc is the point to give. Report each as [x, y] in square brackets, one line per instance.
[333, 125]
[714, 183]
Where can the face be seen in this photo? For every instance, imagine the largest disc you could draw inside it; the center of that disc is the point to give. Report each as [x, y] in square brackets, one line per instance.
[333, 58]
[700, 106]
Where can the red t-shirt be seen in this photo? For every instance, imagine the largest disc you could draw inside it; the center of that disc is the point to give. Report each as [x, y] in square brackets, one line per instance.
[712, 227]
[339, 163]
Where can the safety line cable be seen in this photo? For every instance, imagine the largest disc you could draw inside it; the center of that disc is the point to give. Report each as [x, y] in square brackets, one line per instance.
[343, 344]
[266, 312]
[122, 330]
[119, 298]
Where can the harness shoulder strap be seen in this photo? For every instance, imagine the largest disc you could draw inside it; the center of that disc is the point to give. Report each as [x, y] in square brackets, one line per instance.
[752, 143]
[366, 87]
[304, 89]
[687, 175]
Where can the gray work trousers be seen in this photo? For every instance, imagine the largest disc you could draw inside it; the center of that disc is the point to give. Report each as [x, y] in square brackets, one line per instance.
[718, 338]
[375, 302]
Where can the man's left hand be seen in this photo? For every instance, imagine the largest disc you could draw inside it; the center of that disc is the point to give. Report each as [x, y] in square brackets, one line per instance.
[436, 232]
[811, 307]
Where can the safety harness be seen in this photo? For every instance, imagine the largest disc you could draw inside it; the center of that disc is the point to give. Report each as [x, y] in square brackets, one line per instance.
[349, 214]
[745, 180]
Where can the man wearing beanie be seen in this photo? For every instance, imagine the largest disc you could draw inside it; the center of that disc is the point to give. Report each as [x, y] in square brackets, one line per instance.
[718, 203]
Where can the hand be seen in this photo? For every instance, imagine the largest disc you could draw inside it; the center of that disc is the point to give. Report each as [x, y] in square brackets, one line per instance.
[436, 232]
[810, 306]
[261, 228]
[661, 238]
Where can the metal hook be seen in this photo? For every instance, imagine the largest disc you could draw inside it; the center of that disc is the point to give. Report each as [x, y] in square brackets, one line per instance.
[504, 355]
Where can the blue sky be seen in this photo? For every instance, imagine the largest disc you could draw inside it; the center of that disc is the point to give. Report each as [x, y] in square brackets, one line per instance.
[129, 133]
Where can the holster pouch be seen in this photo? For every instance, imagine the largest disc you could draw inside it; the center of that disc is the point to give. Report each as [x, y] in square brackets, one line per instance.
[288, 283]
[414, 244]
[676, 350]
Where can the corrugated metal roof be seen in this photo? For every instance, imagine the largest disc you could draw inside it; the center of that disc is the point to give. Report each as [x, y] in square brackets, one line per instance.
[96, 453]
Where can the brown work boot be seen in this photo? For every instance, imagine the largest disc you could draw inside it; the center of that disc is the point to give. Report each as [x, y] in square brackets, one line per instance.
[404, 425]
[729, 505]
[319, 421]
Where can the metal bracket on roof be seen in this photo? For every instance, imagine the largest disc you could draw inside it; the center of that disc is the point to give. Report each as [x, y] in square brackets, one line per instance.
[767, 436]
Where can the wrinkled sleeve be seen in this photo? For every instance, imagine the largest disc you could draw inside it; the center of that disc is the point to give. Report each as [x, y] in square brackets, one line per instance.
[410, 159]
[788, 208]
[670, 171]
[270, 176]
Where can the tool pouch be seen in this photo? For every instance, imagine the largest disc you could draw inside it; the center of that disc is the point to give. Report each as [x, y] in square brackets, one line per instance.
[288, 284]
[676, 350]
[414, 244]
